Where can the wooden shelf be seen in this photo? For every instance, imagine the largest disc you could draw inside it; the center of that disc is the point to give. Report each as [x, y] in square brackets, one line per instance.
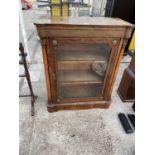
[76, 65]
[83, 52]
[78, 77]
[80, 91]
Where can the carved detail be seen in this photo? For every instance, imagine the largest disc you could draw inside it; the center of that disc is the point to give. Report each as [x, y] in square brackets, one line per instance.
[55, 43]
[114, 42]
[43, 42]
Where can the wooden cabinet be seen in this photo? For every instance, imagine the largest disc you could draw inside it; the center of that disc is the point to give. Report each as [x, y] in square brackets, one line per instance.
[126, 89]
[81, 58]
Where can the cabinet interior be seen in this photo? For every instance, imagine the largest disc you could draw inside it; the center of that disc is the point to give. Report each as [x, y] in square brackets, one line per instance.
[75, 74]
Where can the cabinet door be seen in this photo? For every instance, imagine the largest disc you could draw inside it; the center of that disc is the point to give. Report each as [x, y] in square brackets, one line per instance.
[81, 67]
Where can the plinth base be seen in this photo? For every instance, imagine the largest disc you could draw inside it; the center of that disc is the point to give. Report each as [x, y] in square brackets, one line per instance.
[77, 106]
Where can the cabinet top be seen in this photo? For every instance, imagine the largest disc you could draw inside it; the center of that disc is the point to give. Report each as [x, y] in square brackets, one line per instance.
[82, 21]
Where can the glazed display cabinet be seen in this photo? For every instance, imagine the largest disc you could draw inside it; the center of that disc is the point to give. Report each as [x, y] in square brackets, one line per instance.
[81, 59]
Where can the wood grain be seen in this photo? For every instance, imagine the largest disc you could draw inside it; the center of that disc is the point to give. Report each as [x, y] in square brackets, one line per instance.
[47, 75]
[78, 105]
[82, 21]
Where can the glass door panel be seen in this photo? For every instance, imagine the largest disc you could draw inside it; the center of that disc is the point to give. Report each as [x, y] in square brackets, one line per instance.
[81, 69]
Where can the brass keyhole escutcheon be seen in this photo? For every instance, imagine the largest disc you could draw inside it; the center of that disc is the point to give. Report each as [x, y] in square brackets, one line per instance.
[55, 43]
[114, 42]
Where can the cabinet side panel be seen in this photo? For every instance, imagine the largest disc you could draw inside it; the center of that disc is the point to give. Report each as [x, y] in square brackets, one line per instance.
[110, 69]
[116, 66]
[52, 69]
[121, 49]
[44, 52]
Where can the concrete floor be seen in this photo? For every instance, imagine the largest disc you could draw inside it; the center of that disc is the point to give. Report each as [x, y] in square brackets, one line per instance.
[82, 132]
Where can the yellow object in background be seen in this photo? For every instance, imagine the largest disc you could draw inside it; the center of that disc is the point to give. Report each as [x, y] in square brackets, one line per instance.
[55, 11]
[58, 9]
[58, 1]
[55, 1]
[65, 9]
[132, 43]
